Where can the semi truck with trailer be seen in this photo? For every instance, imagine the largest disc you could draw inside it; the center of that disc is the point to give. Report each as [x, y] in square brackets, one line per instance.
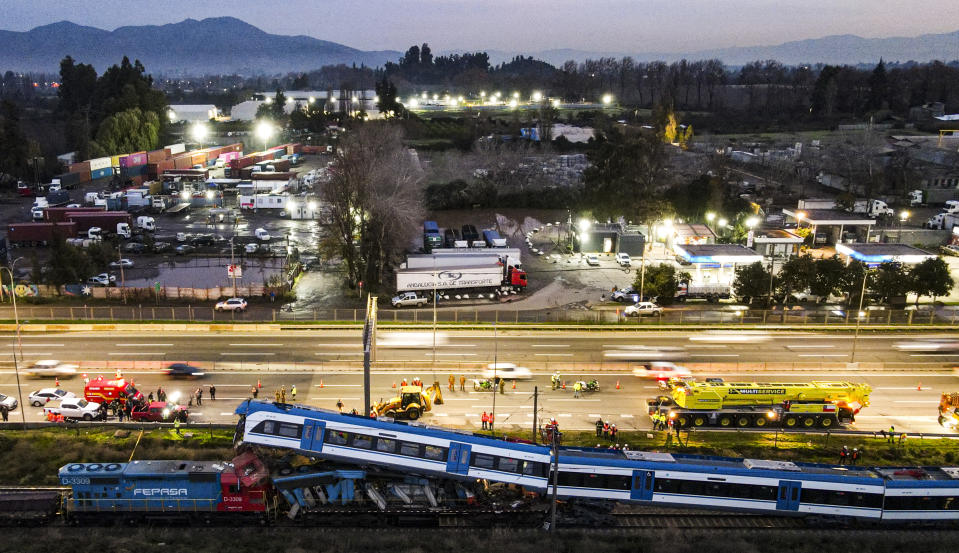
[444, 258]
[431, 236]
[493, 239]
[458, 282]
[711, 292]
[39, 234]
[751, 404]
[873, 208]
[109, 220]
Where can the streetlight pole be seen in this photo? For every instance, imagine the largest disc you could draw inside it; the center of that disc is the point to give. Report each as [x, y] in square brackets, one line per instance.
[13, 345]
[862, 295]
[903, 215]
[232, 265]
[123, 292]
[13, 297]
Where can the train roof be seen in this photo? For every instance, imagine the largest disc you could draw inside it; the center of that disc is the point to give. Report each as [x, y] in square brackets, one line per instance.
[165, 469]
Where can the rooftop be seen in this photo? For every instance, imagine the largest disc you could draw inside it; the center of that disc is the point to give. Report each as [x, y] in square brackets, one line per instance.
[830, 217]
[875, 252]
[717, 253]
[776, 236]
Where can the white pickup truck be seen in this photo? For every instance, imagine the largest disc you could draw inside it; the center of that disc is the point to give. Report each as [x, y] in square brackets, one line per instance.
[75, 408]
[409, 298]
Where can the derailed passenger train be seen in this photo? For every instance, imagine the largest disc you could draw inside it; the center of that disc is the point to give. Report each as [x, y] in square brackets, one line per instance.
[768, 487]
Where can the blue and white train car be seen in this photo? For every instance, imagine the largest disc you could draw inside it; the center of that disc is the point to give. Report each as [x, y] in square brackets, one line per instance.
[410, 448]
[921, 493]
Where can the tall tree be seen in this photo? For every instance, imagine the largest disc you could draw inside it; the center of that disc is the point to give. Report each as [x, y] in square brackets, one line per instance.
[930, 278]
[889, 281]
[878, 88]
[660, 282]
[625, 175]
[128, 131]
[14, 148]
[752, 281]
[388, 104]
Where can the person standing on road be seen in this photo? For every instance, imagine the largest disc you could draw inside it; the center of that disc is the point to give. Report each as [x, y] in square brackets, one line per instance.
[491, 417]
[4, 412]
[119, 414]
[576, 388]
[599, 428]
[612, 432]
[502, 386]
[293, 392]
[276, 395]
[212, 392]
[254, 392]
[452, 383]
[485, 420]
[283, 393]
[176, 425]
[339, 405]
[462, 382]
[199, 396]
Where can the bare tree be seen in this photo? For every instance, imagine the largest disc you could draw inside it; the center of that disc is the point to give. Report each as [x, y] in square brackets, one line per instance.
[375, 200]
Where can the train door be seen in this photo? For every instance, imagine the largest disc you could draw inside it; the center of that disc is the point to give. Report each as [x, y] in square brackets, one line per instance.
[642, 485]
[788, 498]
[312, 439]
[459, 458]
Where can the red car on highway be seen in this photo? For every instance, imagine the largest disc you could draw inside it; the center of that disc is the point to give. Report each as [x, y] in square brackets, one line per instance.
[159, 411]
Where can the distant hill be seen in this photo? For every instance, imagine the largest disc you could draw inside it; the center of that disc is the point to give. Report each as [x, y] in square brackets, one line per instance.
[838, 49]
[190, 47]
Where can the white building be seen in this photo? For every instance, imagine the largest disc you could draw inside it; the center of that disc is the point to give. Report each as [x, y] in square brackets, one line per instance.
[333, 101]
[192, 113]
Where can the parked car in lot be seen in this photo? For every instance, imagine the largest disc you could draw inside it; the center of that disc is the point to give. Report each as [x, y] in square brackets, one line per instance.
[409, 298]
[43, 396]
[185, 249]
[623, 259]
[262, 234]
[133, 247]
[102, 279]
[9, 402]
[160, 247]
[159, 411]
[183, 370]
[232, 304]
[642, 309]
[592, 259]
[508, 371]
[203, 240]
[125, 263]
[75, 408]
[50, 368]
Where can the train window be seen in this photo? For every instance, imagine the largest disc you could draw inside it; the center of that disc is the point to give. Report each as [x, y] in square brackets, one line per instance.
[386, 445]
[266, 427]
[337, 437]
[362, 441]
[571, 479]
[782, 493]
[289, 430]
[691, 487]
[665, 485]
[532, 468]
[508, 465]
[409, 449]
[795, 493]
[617, 482]
[871, 500]
[767, 493]
[435, 453]
[594, 481]
[482, 461]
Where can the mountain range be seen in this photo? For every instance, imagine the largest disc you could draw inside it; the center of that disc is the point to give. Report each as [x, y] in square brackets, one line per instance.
[220, 45]
[224, 45]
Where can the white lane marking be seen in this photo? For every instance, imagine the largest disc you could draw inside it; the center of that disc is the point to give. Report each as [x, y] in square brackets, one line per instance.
[441, 414]
[572, 399]
[626, 416]
[36, 345]
[912, 401]
[456, 346]
[703, 346]
[594, 415]
[250, 353]
[134, 353]
[144, 345]
[933, 354]
[340, 353]
[228, 413]
[714, 355]
[337, 385]
[823, 355]
[257, 345]
[809, 346]
[452, 354]
[565, 415]
[553, 354]
[470, 415]
[550, 345]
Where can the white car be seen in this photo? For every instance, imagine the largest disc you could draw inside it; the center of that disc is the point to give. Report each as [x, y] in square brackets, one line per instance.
[592, 260]
[262, 234]
[76, 408]
[251, 248]
[642, 309]
[50, 368]
[125, 263]
[232, 304]
[9, 402]
[933, 344]
[100, 280]
[623, 259]
[46, 395]
[507, 371]
[661, 371]
[732, 337]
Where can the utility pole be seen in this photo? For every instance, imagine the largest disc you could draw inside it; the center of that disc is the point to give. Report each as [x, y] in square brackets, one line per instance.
[495, 387]
[535, 409]
[123, 290]
[555, 445]
[368, 331]
[862, 294]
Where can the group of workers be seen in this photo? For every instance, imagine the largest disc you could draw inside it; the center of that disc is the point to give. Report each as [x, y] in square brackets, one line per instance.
[280, 395]
[661, 421]
[851, 457]
[604, 429]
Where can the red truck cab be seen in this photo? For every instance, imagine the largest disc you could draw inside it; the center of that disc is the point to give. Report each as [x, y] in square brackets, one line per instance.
[517, 278]
[159, 411]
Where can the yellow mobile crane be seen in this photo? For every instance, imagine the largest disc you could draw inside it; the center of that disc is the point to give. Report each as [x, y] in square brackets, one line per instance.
[411, 403]
[744, 404]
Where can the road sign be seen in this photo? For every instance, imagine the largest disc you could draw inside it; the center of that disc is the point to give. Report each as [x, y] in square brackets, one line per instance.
[234, 271]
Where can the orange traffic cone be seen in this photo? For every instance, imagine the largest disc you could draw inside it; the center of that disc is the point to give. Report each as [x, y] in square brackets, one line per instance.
[258, 385]
[57, 382]
[617, 384]
[514, 384]
[321, 383]
[564, 384]
[919, 387]
[394, 384]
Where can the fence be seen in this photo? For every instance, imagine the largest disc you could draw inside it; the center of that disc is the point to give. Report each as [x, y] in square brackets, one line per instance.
[146, 312]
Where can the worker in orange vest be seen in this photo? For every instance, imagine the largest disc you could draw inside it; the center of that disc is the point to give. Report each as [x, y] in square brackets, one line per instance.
[491, 421]
[485, 420]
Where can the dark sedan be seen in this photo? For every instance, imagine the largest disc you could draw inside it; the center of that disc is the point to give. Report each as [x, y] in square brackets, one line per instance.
[183, 370]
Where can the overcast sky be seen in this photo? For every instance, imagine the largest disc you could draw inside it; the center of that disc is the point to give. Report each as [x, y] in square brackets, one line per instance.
[521, 25]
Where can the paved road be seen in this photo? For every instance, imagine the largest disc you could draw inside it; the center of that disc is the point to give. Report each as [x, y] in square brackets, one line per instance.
[324, 368]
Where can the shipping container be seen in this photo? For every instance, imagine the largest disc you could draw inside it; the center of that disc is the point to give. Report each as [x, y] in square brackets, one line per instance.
[115, 161]
[245, 161]
[183, 162]
[59, 214]
[134, 159]
[40, 234]
[273, 175]
[85, 176]
[81, 167]
[107, 220]
[229, 156]
[104, 173]
[133, 171]
[236, 147]
[157, 155]
[199, 158]
[69, 180]
[100, 163]
[175, 149]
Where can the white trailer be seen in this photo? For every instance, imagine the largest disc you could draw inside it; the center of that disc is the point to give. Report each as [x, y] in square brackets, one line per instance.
[469, 258]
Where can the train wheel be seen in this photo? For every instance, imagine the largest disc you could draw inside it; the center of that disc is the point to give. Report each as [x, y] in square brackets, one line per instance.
[760, 421]
[809, 422]
[699, 420]
[791, 421]
[725, 421]
[743, 421]
[827, 422]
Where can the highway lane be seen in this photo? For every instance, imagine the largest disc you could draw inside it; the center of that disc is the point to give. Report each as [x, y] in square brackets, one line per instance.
[472, 348]
[904, 399]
